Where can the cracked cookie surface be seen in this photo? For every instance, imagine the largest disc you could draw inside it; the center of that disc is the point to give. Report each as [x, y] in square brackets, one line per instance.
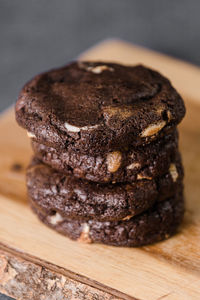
[115, 166]
[71, 197]
[95, 107]
[156, 224]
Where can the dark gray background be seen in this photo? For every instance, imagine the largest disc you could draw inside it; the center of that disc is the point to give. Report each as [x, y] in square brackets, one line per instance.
[39, 34]
[36, 35]
[3, 297]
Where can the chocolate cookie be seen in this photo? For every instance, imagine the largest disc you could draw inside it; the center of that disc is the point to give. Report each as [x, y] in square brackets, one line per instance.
[142, 162]
[156, 224]
[94, 107]
[79, 199]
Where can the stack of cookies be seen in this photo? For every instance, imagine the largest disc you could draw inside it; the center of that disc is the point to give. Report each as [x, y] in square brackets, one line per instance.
[106, 164]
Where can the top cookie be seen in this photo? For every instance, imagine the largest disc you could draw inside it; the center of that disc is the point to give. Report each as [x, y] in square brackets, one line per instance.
[95, 106]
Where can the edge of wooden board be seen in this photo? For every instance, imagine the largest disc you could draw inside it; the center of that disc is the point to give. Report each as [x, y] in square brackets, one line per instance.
[21, 257]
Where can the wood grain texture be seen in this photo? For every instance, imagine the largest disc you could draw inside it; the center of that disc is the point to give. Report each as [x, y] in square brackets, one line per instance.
[23, 279]
[167, 270]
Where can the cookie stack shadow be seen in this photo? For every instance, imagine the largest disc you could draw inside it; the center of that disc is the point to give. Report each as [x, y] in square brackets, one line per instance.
[106, 165]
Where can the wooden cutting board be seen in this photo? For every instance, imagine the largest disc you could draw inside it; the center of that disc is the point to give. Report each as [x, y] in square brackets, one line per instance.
[36, 262]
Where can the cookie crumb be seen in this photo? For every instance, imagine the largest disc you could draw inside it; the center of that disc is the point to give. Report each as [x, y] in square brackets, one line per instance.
[84, 236]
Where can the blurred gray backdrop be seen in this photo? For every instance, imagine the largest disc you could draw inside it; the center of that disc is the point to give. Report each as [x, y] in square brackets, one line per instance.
[36, 35]
[39, 34]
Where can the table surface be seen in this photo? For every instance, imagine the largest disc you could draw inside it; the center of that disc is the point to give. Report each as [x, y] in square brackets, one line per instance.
[177, 257]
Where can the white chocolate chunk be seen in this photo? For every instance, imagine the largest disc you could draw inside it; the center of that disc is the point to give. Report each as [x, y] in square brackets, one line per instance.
[173, 172]
[31, 135]
[89, 127]
[50, 283]
[127, 218]
[99, 69]
[169, 115]
[84, 237]
[140, 177]
[80, 194]
[113, 161]
[122, 113]
[55, 219]
[133, 166]
[73, 128]
[86, 228]
[153, 129]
